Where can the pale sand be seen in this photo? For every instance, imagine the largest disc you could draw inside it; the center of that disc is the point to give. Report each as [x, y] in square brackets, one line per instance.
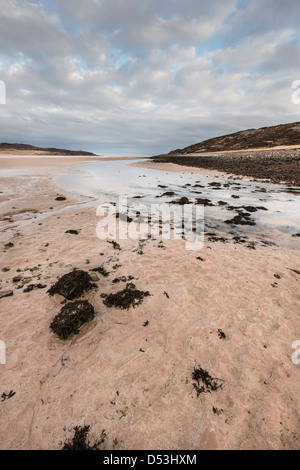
[101, 378]
[179, 168]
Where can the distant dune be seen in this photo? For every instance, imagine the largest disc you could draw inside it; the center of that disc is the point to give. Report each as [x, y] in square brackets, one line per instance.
[265, 137]
[23, 149]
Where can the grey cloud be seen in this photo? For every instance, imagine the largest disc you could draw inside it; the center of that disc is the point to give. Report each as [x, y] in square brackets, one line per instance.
[130, 76]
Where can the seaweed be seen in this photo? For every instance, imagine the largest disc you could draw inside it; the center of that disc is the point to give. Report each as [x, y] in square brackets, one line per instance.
[126, 298]
[239, 239]
[204, 382]
[294, 270]
[125, 218]
[217, 411]
[241, 219]
[72, 285]
[31, 287]
[122, 279]
[115, 245]
[9, 245]
[182, 201]
[7, 396]
[101, 270]
[221, 334]
[60, 198]
[71, 317]
[80, 440]
[73, 232]
[213, 238]
[204, 201]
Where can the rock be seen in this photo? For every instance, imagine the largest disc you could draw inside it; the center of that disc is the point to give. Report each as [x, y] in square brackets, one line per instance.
[94, 276]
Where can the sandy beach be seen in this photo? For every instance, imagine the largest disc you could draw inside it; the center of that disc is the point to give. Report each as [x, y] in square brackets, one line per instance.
[225, 309]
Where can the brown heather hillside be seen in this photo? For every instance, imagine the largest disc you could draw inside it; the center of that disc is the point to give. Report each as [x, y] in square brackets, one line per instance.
[282, 135]
[23, 149]
[271, 153]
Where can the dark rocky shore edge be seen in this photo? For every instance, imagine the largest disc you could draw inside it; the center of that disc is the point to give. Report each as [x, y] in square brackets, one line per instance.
[276, 166]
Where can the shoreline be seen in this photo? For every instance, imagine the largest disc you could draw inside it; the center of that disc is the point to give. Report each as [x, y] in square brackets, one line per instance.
[174, 167]
[276, 166]
[130, 372]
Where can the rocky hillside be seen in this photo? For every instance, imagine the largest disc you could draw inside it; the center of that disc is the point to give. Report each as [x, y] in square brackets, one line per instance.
[284, 134]
[24, 149]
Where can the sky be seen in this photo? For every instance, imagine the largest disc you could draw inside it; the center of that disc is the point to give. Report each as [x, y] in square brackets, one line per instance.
[144, 77]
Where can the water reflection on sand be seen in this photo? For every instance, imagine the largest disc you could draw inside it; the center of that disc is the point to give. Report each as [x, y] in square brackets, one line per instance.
[275, 208]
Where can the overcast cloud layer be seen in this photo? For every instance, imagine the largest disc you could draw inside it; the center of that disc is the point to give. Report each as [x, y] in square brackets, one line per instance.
[141, 77]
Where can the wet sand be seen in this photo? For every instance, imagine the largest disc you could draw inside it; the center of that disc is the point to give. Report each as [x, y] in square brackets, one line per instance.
[131, 372]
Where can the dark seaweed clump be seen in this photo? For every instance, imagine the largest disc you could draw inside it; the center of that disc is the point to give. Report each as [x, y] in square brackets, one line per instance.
[221, 334]
[126, 298]
[73, 232]
[80, 440]
[32, 287]
[101, 270]
[115, 245]
[204, 201]
[204, 382]
[122, 279]
[9, 245]
[182, 201]
[241, 219]
[7, 396]
[72, 285]
[71, 317]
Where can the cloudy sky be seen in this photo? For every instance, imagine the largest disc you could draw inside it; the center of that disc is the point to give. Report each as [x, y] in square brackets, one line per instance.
[141, 77]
